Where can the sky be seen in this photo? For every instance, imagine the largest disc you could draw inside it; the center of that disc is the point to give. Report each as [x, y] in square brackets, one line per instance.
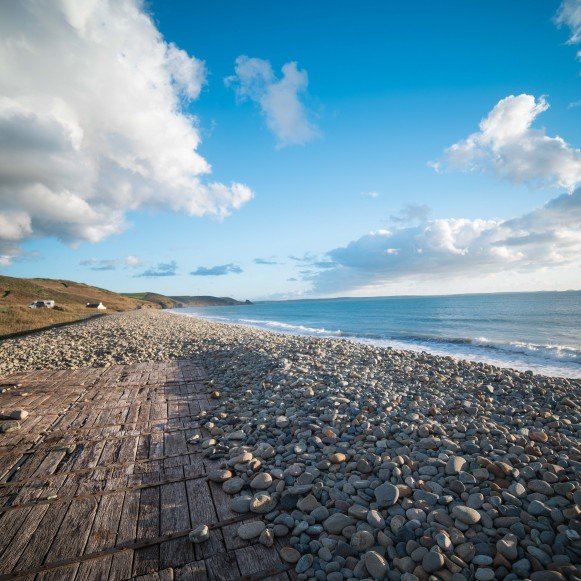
[272, 150]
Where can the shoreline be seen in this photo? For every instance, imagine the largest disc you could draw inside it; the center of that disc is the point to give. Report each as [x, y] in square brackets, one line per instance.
[394, 344]
[27, 353]
[365, 461]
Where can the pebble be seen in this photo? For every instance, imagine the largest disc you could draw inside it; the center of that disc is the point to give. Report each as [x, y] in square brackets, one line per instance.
[304, 563]
[251, 530]
[199, 534]
[376, 565]
[363, 455]
[261, 481]
[466, 514]
[289, 555]
[386, 494]
[18, 415]
[233, 485]
[219, 475]
[432, 561]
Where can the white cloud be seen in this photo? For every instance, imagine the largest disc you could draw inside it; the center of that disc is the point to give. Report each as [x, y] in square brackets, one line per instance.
[92, 123]
[131, 261]
[458, 250]
[372, 194]
[508, 147]
[279, 99]
[569, 14]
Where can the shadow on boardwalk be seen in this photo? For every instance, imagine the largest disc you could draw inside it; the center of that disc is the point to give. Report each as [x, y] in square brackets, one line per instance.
[100, 483]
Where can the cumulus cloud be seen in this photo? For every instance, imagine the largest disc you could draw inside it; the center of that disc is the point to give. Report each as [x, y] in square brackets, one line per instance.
[279, 99]
[547, 237]
[508, 147]
[218, 270]
[132, 261]
[92, 122]
[162, 269]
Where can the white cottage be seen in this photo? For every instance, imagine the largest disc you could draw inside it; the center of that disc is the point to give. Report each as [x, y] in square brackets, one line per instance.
[99, 306]
[42, 304]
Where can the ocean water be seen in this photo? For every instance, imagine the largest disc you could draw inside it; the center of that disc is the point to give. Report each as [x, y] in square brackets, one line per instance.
[527, 331]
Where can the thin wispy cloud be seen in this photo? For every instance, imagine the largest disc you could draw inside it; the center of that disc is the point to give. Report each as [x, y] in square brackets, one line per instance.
[266, 261]
[99, 265]
[372, 194]
[508, 147]
[569, 15]
[411, 213]
[218, 270]
[161, 270]
[280, 100]
[92, 123]
[548, 237]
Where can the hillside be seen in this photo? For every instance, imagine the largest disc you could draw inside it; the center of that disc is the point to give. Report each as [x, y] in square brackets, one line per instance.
[160, 300]
[206, 301]
[70, 298]
[174, 302]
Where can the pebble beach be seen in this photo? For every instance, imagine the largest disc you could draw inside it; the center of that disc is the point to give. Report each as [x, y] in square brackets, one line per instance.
[370, 462]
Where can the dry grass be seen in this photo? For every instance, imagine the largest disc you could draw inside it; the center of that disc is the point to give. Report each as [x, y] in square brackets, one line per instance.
[70, 297]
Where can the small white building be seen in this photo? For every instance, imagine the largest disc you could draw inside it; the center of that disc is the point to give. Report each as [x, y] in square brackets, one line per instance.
[41, 304]
[99, 306]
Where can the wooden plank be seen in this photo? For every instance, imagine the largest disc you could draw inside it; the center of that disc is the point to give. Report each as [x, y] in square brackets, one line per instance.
[194, 571]
[257, 559]
[222, 567]
[202, 511]
[72, 535]
[175, 517]
[122, 564]
[147, 559]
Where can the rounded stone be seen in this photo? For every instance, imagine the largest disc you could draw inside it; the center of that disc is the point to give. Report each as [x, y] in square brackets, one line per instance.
[289, 555]
[466, 514]
[261, 481]
[386, 494]
[362, 540]
[508, 547]
[282, 422]
[19, 415]
[240, 504]
[233, 485]
[337, 458]
[219, 475]
[337, 522]
[199, 534]
[263, 503]
[484, 574]
[251, 530]
[455, 465]
[304, 563]
[432, 561]
[375, 564]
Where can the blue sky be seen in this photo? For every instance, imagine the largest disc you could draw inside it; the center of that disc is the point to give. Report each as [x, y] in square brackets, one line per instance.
[384, 89]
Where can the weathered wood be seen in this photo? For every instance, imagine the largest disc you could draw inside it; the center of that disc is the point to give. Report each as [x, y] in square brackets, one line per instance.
[257, 562]
[128, 491]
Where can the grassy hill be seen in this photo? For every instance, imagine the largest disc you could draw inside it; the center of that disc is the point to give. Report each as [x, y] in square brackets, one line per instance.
[161, 301]
[206, 301]
[173, 302]
[70, 298]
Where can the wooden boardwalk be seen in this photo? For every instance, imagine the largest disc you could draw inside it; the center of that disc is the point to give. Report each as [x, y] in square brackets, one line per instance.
[100, 482]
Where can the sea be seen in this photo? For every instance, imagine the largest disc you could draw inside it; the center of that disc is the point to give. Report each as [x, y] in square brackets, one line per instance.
[537, 331]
